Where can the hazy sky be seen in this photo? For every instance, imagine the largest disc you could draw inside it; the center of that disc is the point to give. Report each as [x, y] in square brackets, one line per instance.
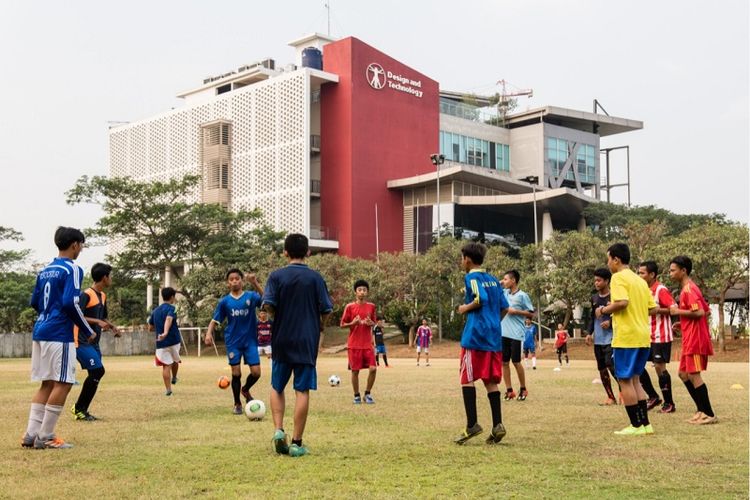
[67, 68]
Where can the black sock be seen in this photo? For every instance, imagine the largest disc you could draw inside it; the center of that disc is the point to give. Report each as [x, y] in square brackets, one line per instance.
[607, 383]
[90, 385]
[509, 389]
[356, 395]
[566, 359]
[367, 393]
[633, 415]
[647, 385]
[377, 359]
[250, 381]
[704, 404]
[643, 412]
[691, 390]
[665, 384]
[521, 389]
[385, 359]
[497, 415]
[559, 358]
[236, 383]
[470, 405]
[298, 442]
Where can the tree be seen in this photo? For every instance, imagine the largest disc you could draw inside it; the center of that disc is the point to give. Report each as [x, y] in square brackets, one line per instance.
[15, 292]
[11, 258]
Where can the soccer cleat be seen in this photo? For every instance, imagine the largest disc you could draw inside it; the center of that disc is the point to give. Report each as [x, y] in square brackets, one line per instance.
[510, 394]
[653, 403]
[608, 402]
[648, 429]
[631, 431]
[168, 393]
[706, 420]
[496, 434]
[27, 441]
[280, 445]
[357, 400]
[246, 394]
[667, 408]
[51, 442]
[237, 410]
[77, 415]
[297, 450]
[369, 400]
[88, 417]
[468, 433]
[175, 380]
[522, 394]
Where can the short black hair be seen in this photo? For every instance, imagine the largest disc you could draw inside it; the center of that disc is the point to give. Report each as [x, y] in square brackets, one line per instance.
[515, 275]
[99, 271]
[650, 266]
[66, 236]
[603, 273]
[684, 262]
[474, 251]
[621, 251]
[168, 292]
[296, 245]
[360, 283]
[234, 270]
[379, 317]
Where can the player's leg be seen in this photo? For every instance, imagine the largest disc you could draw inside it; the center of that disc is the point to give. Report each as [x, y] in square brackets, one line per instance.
[565, 350]
[279, 378]
[371, 375]
[427, 355]
[237, 386]
[559, 356]
[385, 357]
[467, 373]
[493, 397]
[419, 351]
[252, 359]
[516, 359]
[36, 413]
[88, 391]
[166, 376]
[603, 355]
[629, 363]
[507, 351]
[648, 387]
[661, 359]
[305, 380]
[702, 400]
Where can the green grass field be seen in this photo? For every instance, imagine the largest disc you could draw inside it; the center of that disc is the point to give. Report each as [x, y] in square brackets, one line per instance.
[559, 442]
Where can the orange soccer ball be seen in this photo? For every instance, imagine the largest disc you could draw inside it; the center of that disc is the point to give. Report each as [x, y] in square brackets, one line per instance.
[223, 382]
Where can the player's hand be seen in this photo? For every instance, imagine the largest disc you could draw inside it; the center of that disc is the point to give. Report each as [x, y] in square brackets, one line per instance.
[460, 309]
[92, 338]
[252, 279]
[598, 312]
[676, 327]
[588, 340]
[673, 309]
[209, 339]
[369, 322]
[606, 324]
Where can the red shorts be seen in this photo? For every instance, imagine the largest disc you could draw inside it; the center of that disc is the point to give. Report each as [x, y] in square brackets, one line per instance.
[481, 365]
[360, 359]
[693, 363]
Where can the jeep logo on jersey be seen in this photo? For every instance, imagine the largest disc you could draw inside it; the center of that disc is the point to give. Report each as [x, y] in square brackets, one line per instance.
[376, 76]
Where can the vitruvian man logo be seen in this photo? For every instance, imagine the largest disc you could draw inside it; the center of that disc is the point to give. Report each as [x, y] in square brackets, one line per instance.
[376, 76]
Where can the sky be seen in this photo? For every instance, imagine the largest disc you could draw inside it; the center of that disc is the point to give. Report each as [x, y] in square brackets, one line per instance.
[67, 69]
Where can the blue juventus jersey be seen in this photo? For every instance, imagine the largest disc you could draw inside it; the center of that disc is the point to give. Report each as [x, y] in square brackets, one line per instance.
[56, 298]
[482, 330]
[240, 315]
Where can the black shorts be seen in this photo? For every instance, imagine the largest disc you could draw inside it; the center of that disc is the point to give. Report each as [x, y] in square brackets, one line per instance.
[563, 349]
[603, 355]
[511, 350]
[660, 352]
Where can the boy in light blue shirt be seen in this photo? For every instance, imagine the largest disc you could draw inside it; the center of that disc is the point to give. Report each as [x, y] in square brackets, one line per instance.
[514, 331]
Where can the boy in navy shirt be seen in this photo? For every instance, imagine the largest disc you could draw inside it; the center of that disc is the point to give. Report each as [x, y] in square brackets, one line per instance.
[297, 298]
[240, 336]
[56, 295]
[481, 342]
[164, 320]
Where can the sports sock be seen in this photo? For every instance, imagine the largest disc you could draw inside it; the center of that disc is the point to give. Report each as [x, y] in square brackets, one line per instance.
[647, 385]
[559, 357]
[607, 384]
[51, 414]
[633, 415]
[691, 390]
[250, 381]
[509, 390]
[88, 391]
[377, 359]
[236, 383]
[643, 412]
[521, 389]
[470, 405]
[298, 442]
[704, 404]
[665, 383]
[533, 361]
[385, 359]
[36, 416]
[356, 395]
[367, 393]
[497, 415]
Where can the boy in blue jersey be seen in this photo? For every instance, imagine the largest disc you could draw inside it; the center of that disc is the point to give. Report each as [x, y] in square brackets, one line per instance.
[529, 344]
[514, 331]
[481, 342]
[297, 298]
[93, 302]
[600, 333]
[163, 319]
[240, 336]
[56, 295]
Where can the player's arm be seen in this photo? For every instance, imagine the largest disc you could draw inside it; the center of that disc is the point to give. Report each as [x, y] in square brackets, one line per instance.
[346, 320]
[612, 307]
[110, 326]
[35, 298]
[217, 319]
[695, 311]
[70, 305]
[478, 297]
[167, 325]
[252, 280]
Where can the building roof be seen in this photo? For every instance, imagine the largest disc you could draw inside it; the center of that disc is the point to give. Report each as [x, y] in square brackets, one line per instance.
[580, 120]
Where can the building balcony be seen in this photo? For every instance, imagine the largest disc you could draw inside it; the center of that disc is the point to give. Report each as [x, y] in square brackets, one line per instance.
[315, 144]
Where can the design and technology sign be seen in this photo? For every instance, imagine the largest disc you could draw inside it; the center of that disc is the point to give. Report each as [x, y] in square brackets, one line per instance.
[379, 78]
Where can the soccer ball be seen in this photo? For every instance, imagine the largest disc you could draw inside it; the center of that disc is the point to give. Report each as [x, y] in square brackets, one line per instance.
[223, 382]
[255, 409]
[334, 381]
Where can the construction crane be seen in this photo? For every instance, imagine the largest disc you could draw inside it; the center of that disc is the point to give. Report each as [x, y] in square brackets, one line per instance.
[506, 99]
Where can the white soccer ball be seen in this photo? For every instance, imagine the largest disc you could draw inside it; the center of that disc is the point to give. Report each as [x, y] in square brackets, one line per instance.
[255, 409]
[334, 381]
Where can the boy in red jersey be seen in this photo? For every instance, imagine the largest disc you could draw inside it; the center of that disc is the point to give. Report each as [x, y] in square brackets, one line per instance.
[696, 340]
[359, 317]
[561, 344]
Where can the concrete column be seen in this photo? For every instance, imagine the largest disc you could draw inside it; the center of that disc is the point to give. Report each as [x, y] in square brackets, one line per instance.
[546, 226]
[167, 276]
[149, 297]
[582, 224]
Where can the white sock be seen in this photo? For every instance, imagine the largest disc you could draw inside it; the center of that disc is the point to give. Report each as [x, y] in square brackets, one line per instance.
[51, 414]
[36, 416]
[533, 361]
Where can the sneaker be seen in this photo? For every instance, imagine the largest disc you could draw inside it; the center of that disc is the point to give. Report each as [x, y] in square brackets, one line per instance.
[369, 400]
[522, 394]
[237, 410]
[77, 415]
[653, 403]
[357, 400]
[648, 429]
[511, 394]
[51, 442]
[608, 402]
[496, 434]
[246, 394]
[667, 408]
[297, 450]
[168, 393]
[468, 434]
[27, 441]
[698, 415]
[706, 420]
[280, 443]
[89, 417]
[631, 431]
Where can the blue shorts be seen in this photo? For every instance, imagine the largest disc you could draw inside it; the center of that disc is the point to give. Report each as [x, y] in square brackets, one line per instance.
[630, 361]
[249, 352]
[380, 349]
[89, 357]
[305, 376]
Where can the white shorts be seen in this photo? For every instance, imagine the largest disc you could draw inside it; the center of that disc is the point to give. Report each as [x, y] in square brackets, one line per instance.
[168, 355]
[264, 349]
[54, 361]
[425, 350]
